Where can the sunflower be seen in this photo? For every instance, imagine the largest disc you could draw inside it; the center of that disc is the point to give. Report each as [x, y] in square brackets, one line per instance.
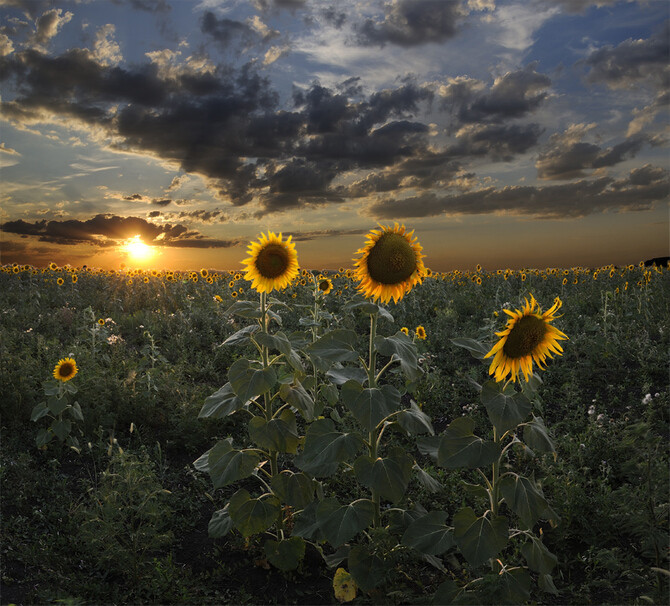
[60, 281]
[405, 330]
[272, 264]
[101, 322]
[390, 263]
[65, 369]
[528, 336]
[325, 286]
[420, 332]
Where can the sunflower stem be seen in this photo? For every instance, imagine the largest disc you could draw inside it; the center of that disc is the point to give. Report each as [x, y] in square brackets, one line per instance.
[495, 484]
[374, 435]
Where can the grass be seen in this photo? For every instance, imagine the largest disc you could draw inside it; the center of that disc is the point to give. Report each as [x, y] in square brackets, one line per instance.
[126, 520]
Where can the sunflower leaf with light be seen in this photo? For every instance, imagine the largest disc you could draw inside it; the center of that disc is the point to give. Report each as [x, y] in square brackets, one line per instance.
[389, 266]
[528, 337]
[268, 389]
[56, 406]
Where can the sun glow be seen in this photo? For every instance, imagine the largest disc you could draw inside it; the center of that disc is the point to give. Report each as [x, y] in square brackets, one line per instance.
[137, 250]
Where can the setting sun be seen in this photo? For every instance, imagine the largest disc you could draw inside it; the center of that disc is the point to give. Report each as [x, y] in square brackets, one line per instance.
[137, 250]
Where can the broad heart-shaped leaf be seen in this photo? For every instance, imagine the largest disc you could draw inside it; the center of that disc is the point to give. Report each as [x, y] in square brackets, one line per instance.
[368, 307]
[479, 538]
[281, 343]
[339, 376]
[388, 476]
[220, 524]
[76, 412]
[426, 480]
[370, 406]
[227, 465]
[368, 569]
[280, 434]
[512, 585]
[429, 445]
[506, 407]
[413, 420]
[536, 436]
[325, 448]
[296, 395]
[242, 335]
[404, 349]
[340, 523]
[221, 403]
[39, 411]
[249, 382]
[294, 489]
[523, 498]
[62, 428]
[539, 558]
[305, 524]
[245, 309]
[57, 405]
[477, 349]
[252, 516]
[459, 447]
[285, 554]
[338, 345]
[429, 534]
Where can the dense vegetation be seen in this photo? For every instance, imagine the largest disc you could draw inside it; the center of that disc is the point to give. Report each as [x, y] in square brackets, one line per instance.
[123, 518]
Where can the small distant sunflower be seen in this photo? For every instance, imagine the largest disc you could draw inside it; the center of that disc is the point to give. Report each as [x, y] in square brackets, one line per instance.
[272, 264]
[390, 265]
[405, 330]
[420, 332]
[101, 322]
[65, 369]
[528, 336]
[60, 281]
[325, 286]
[74, 278]
[53, 266]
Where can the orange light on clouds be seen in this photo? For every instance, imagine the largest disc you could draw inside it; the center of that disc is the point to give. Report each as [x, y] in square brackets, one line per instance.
[137, 251]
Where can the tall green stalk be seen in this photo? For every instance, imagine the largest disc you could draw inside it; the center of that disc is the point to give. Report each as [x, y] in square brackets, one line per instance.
[373, 437]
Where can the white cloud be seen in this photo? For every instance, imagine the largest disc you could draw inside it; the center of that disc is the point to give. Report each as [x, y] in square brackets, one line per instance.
[106, 49]
[518, 23]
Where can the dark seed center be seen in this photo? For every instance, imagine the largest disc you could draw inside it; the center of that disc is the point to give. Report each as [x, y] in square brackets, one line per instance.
[391, 260]
[65, 370]
[323, 285]
[526, 335]
[272, 261]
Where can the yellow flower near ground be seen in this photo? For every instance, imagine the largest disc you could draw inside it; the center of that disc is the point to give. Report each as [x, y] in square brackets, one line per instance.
[272, 263]
[528, 336]
[420, 332]
[344, 586]
[65, 369]
[101, 322]
[390, 265]
[405, 330]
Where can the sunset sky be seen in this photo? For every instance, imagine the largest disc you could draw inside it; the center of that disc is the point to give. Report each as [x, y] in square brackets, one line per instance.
[508, 133]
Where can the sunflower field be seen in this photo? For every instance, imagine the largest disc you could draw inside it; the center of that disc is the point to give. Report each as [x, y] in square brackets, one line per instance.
[380, 434]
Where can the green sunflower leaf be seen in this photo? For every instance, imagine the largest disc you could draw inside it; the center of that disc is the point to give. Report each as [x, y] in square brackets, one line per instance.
[285, 554]
[506, 407]
[251, 516]
[294, 489]
[241, 336]
[340, 523]
[538, 557]
[388, 476]
[368, 569]
[404, 350]
[279, 434]
[477, 349]
[479, 538]
[524, 498]
[536, 435]
[337, 345]
[459, 447]
[220, 524]
[429, 534]
[245, 309]
[296, 395]
[221, 403]
[325, 448]
[370, 406]
[227, 465]
[248, 382]
[413, 420]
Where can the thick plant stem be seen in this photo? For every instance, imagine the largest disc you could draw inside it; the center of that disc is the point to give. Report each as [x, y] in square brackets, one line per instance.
[373, 437]
[494, 479]
[266, 397]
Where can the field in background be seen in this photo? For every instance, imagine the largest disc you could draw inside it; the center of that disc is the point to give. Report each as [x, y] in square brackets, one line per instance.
[148, 348]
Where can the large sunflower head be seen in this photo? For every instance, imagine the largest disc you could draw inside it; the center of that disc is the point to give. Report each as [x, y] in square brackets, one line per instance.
[272, 263]
[325, 285]
[65, 369]
[391, 263]
[528, 336]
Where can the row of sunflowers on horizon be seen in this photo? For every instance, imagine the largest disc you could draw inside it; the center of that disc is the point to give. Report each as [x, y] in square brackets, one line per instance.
[387, 267]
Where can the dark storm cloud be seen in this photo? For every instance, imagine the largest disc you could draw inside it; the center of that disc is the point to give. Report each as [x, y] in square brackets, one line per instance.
[632, 61]
[411, 23]
[150, 6]
[513, 95]
[334, 17]
[568, 157]
[637, 191]
[498, 141]
[108, 230]
[224, 30]
[133, 197]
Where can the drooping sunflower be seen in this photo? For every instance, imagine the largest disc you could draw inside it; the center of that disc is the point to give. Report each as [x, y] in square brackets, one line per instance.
[272, 263]
[390, 265]
[65, 369]
[528, 336]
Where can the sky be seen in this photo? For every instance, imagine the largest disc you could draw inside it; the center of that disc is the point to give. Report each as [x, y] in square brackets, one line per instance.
[505, 133]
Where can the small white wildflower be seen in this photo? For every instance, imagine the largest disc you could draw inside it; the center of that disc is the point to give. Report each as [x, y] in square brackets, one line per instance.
[646, 399]
[600, 418]
[592, 410]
